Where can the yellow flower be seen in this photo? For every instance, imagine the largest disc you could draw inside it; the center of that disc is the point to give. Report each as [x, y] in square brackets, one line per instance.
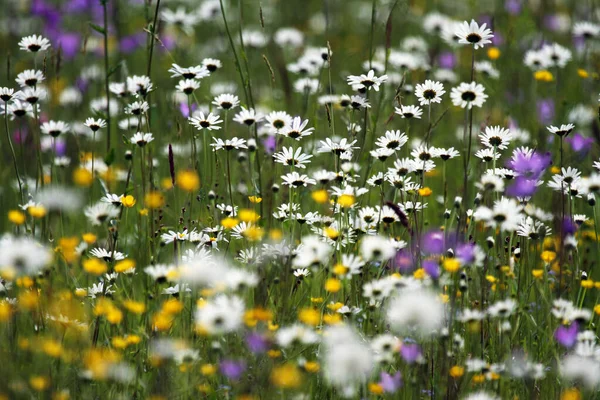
[316, 300]
[5, 311]
[82, 177]
[287, 376]
[128, 201]
[94, 266]
[28, 300]
[119, 342]
[208, 369]
[419, 273]
[346, 200]
[187, 180]
[254, 233]
[375, 388]
[144, 212]
[331, 233]
[340, 269]
[570, 394]
[136, 307]
[16, 217]
[276, 234]
[451, 265]
[37, 211]
[490, 278]
[80, 292]
[229, 222]
[425, 192]
[162, 321]
[274, 353]
[493, 53]
[332, 319]
[248, 215]
[52, 348]
[309, 316]
[333, 285]
[172, 306]
[548, 256]
[543, 75]
[587, 284]
[89, 238]
[39, 383]
[154, 199]
[124, 265]
[166, 183]
[255, 199]
[335, 306]
[312, 366]
[320, 196]
[457, 371]
[583, 73]
[272, 326]
[555, 170]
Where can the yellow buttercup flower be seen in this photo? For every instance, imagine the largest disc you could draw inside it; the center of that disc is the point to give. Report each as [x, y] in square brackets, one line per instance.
[287, 376]
[320, 196]
[82, 177]
[128, 201]
[187, 180]
[346, 200]
[37, 211]
[493, 53]
[154, 199]
[16, 217]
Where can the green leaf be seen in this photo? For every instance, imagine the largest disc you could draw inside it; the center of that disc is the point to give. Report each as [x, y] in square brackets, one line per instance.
[110, 157]
[98, 28]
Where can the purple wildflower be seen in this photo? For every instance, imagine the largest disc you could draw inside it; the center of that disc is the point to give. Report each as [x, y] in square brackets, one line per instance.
[411, 352]
[390, 383]
[232, 369]
[566, 335]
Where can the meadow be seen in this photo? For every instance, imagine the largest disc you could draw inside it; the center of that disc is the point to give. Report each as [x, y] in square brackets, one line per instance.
[320, 199]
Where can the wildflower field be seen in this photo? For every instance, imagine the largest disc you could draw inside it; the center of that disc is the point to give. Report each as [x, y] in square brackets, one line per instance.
[269, 199]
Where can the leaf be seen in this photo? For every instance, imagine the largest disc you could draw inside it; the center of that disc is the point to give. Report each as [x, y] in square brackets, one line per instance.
[110, 157]
[98, 29]
[115, 68]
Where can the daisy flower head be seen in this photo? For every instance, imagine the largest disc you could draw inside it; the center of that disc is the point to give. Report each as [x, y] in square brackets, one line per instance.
[296, 129]
[7, 94]
[368, 81]
[137, 108]
[54, 128]
[287, 156]
[294, 179]
[247, 117]
[393, 140]
[496, 136]
[278, 120]
[229, 144]
[141, 85]
[473, 34]
[141, 139]
[557, 55]
[196, 72]
[467, 95]
[30, 77]
[226, 101]
[95, 124]
[210, 121]
[586, 30]
[409, 112]
[211, 64]
[429, 92]
[338, 148]
[187, 86]
[34, 43]
[505, 214]
[101, 212]
[562, 130]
